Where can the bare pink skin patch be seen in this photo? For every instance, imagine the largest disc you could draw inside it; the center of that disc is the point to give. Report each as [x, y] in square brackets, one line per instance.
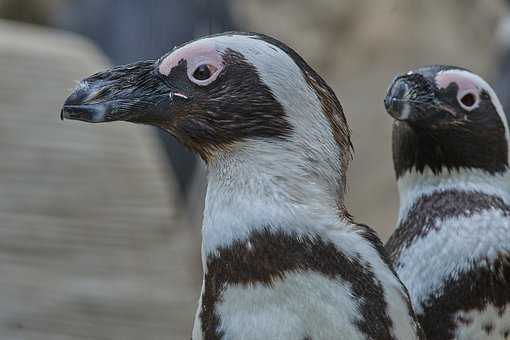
[465, 84]
[195, 54]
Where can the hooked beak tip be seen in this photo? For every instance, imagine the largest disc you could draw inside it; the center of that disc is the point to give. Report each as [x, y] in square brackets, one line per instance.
[394, 102]
[123, 93]
[395, 108]
[77, 105]
[91, 113]
[389, 103]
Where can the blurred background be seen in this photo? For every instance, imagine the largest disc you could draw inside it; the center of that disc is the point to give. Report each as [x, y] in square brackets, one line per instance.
[100, 225]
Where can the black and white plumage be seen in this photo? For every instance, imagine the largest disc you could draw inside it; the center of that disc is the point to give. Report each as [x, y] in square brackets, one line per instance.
[281, 257]
[452, 245]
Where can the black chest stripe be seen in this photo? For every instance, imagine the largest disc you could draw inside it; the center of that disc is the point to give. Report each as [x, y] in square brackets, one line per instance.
[472, 290]
[266, 257]
[422, 217]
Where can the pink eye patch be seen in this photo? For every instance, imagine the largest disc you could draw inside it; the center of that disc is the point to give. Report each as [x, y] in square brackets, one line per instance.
[444, 79]
[196, 53]
[468, 93]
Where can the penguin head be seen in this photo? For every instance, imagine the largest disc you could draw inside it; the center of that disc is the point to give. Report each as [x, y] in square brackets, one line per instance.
[446, 118]
[225, 95]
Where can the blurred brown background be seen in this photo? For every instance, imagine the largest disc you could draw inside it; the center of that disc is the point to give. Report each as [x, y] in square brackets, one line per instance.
[99, 225]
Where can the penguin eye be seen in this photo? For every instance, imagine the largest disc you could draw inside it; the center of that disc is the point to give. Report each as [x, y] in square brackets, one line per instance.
[203, 73]
[468, 101]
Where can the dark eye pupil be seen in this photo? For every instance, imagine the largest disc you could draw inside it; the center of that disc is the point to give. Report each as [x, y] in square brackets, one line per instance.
[202, 72]
[468, 99]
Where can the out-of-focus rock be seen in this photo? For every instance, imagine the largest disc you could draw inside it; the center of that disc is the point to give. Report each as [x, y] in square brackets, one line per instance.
[358, 46]
[90, 243]
[32, 11]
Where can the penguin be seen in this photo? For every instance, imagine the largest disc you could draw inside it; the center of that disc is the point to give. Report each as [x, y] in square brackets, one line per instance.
[282, 258]
[451, 247]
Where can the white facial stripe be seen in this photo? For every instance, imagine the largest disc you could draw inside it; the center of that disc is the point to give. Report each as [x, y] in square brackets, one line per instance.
[286, 81]
[445, 77]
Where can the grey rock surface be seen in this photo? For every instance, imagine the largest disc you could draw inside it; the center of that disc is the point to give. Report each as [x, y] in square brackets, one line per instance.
[91, 242]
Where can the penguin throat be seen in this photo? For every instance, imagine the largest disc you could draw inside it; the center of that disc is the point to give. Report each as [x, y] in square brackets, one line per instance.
[249, 191]
[447, 150]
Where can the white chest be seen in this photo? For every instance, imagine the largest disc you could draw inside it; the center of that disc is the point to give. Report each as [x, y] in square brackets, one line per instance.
[450, 249]
[302, 306]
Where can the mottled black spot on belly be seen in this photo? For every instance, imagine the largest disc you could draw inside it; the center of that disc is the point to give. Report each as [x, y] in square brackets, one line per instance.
[488, 328]
[469, 291]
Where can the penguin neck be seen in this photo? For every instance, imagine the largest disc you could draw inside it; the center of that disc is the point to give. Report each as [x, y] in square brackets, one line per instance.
[413, 185]
[442, 149]
[250, 189]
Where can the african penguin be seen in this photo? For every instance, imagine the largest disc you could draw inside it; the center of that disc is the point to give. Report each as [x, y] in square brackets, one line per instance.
[281, 257]
[452, 244]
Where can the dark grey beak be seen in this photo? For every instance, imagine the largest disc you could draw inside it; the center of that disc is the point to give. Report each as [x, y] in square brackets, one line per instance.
[397, 102]
[92, 113]
[131, 93]
[414, 99]
[409, 97]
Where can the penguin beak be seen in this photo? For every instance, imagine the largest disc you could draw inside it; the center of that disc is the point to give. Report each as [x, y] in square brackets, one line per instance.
[396, 101]
[131, 93]
[412, 98]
